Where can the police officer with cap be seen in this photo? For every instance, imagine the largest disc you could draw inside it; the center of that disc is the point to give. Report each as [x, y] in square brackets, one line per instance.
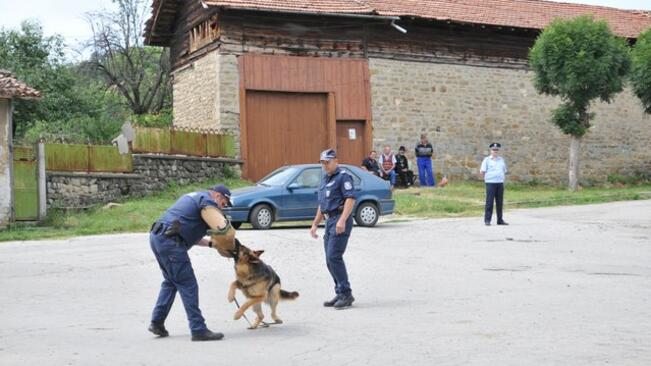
[493, 171]
[336, 201]
[182, 226]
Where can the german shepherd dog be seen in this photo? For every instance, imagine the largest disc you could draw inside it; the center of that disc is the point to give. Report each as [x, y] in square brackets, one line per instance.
[258, 282]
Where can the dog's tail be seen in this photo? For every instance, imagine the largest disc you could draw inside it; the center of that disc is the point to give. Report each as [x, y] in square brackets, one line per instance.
[285, 295]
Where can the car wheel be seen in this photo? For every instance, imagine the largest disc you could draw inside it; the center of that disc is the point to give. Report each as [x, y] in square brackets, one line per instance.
[262, 217]
[236, 225]
[367, 214]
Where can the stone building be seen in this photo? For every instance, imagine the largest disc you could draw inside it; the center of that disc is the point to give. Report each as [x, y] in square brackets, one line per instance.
[10, 88]
[290, 78]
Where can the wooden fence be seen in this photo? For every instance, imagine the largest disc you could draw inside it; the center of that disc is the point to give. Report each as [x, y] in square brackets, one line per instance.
[94, 158]
[86, 158]
[178, 141]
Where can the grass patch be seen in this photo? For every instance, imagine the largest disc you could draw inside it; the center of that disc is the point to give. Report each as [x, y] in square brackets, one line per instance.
[467, 199]
[134, 215]
[454, 200]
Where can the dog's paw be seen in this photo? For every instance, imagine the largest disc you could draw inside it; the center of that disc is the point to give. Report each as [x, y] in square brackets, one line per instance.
[278, 321]
[237, 315]
[231, 298]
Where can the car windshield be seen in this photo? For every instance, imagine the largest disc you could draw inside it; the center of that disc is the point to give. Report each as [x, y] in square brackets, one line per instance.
[278, 177]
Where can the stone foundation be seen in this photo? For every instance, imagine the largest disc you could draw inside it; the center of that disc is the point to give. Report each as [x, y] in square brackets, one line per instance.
[151, 173]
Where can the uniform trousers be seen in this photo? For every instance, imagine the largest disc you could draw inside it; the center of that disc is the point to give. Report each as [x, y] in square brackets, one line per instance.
[178, 275]
[494, 192]
[335, 246]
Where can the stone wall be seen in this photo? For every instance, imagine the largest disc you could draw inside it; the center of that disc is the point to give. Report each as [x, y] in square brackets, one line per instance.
[6, 159]
[206, 95]
[151, 173]
[464, 108]
[195, 97]
[229, 98]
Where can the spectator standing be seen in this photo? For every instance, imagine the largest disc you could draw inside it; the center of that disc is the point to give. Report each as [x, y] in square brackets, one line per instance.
[424, 152]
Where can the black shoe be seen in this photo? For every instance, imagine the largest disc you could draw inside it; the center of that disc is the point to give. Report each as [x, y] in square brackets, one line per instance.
[158, 329]
[207, 335]
[502, 222]
[331, 303]
[487, 223]
[344, 302]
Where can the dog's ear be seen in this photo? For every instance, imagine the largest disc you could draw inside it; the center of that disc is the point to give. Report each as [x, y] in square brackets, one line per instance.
[258, 253]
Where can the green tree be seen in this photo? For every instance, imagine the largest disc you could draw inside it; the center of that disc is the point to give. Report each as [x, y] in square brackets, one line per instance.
[139, 73]
[578, 60]
[39, 61]
[641, 69]
[77, 105]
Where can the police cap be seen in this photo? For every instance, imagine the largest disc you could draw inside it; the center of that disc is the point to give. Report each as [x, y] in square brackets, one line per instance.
[220, 188]
[327, 155]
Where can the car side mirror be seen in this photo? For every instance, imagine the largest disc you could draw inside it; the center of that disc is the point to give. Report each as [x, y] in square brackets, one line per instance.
[293, 186]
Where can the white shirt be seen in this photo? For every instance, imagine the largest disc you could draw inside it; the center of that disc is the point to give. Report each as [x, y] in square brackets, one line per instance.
[494, 169]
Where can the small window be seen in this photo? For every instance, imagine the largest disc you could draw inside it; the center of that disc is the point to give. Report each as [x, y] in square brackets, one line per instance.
[309, 178]
[204, 33]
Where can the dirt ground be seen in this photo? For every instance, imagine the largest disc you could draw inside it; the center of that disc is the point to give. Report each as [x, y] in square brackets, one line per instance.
[559, 286]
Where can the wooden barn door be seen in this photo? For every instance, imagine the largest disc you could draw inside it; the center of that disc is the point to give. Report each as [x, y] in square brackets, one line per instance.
[351, 142]
[284, 128]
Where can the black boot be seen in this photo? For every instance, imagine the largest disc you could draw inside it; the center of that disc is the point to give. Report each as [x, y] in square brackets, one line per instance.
[344, 302]
[158, 329]
[207, 335]
[502, 222]
[331, 303]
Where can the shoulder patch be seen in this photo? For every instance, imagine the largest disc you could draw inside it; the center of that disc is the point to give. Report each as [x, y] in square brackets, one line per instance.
[348, 186]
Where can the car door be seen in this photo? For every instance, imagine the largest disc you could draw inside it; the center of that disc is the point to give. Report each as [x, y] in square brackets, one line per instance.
[299, 199]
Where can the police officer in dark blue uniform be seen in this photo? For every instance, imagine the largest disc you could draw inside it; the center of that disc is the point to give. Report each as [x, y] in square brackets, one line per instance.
[336, 201]
[183, 225]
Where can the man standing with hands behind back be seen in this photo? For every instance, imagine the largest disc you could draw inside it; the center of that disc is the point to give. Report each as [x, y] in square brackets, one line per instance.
[336, 201]
[493, 171]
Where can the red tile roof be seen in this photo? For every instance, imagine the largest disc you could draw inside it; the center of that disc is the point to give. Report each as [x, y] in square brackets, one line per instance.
[10, 87]
[534, 14]
[307, 6]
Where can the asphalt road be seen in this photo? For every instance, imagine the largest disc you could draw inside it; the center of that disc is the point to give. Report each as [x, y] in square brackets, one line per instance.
[559, 286]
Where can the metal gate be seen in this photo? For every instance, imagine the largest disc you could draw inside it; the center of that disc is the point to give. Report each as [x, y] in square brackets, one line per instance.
[25, 187]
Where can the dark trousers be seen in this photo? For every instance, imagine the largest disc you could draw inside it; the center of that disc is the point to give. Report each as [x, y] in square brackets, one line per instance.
[494, 192]
[335, 246]
[425, 174]
[178, 275]
[405, 179]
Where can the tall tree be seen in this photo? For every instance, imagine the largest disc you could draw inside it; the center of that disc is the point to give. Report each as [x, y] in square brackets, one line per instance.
[641, 69]
[578, 60]
[139, 73]
[39, 61]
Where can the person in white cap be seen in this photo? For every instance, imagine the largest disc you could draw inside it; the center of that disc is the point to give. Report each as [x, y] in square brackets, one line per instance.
[493, 172]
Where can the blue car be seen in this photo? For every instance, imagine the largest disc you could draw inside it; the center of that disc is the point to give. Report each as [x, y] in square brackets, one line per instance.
[290, 194]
